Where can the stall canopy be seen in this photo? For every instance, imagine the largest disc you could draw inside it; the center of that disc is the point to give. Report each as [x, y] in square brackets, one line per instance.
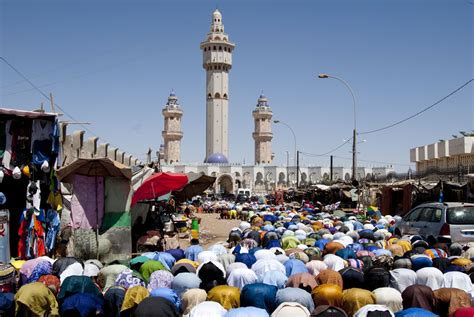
[100, 167]
[159, 184]
[197, 184]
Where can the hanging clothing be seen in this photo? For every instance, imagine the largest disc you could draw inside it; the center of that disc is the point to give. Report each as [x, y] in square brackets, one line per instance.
[3, 139]
[32, 236]
[87, 200]
[53, 224]
[21, 142]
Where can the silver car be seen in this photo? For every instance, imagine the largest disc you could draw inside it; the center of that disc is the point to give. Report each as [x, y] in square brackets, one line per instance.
[446, 222]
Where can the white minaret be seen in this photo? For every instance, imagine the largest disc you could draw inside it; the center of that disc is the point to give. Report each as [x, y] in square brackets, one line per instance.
[217, 61]
[263, 131]
[172, 133]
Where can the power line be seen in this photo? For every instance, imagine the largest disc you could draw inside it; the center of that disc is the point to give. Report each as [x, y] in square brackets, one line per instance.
[329, 152]
[47, 97]
[421, 111]
[374, 162]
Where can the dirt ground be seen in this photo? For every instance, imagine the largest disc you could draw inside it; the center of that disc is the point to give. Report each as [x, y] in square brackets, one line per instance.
[212, 230]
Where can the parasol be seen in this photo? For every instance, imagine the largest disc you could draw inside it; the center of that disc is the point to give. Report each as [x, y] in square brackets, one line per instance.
[197, 184]
[159, 184]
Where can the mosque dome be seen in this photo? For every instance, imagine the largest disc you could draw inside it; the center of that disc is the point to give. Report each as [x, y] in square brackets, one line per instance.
[216, 158]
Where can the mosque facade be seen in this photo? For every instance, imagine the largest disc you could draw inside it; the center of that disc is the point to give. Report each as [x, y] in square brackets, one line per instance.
[263, 176]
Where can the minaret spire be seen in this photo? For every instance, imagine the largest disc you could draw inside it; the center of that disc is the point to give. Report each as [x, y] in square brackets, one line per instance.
[172, 133]
[217, 61]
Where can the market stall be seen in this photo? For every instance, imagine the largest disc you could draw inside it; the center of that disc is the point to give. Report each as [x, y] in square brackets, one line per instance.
[99, 208]
[29, 149]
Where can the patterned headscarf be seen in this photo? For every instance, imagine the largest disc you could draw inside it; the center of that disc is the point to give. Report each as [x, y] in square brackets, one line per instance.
[160, 279]
[42, 268]
[126, 279]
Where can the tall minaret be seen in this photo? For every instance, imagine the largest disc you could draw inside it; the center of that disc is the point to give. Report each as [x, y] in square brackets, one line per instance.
[172, 133]
[217, 61]
[263, 131]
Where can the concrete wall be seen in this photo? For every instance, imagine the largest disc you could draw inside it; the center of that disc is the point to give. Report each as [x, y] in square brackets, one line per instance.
[75, 145]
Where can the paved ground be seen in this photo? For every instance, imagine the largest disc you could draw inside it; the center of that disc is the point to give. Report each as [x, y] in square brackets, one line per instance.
[212, 230]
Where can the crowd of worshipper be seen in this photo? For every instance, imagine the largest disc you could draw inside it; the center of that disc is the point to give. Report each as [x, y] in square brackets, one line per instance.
[277, 263]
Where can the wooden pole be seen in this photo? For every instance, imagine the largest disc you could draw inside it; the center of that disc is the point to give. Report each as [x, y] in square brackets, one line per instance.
[52, 102]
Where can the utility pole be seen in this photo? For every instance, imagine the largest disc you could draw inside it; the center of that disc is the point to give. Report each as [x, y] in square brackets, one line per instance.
[297, 168]
[331, 166]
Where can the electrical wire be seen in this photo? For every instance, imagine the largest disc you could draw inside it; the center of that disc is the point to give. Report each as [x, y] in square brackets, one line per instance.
[421, 111]
[329, 152]
[47, 97]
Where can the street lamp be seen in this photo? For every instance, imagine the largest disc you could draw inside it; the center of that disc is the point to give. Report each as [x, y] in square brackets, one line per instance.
[354, 134]
[294, 140]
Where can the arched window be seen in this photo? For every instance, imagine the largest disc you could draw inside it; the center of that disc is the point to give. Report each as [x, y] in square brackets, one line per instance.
[214, 48]
[217, 95]
[225, 96]
[209, 96]
[220, 48]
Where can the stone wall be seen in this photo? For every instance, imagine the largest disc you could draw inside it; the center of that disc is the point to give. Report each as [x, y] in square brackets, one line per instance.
[74, 146]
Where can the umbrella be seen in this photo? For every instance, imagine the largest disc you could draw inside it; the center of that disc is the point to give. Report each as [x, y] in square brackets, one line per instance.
[102, 167]
[197, 184]
[97, 167]
[159, 184]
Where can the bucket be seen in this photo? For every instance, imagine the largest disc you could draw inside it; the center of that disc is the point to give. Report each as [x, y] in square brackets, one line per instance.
[195, 225]
[194, 234]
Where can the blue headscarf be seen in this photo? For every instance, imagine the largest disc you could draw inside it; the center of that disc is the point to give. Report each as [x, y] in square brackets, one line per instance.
[192, 252]
[294, 266]
[259, 295]
[113, 300]
[271, 218]
[356, 247]
[168, 294]
[246, 258]
[321, 243]
[415, 312]
[346, 253]
[273, 244]
[43, 268]
[178, 254]
[86, 304]
[419, 262]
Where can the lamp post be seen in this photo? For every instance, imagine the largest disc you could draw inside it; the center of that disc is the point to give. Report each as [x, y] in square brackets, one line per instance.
[287, 171]
[354, 134]
[294, 140]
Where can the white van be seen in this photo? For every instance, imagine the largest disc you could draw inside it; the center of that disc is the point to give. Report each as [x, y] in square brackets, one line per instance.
[244, 191]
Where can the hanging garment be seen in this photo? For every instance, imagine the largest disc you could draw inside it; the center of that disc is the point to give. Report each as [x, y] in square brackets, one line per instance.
[7, 154]
[33, 196]
[21, 142]
[87, 201]
[31, 232]
[55, 137]
[52, 229]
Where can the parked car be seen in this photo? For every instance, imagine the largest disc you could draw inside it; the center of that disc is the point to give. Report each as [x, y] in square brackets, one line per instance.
[447, 222]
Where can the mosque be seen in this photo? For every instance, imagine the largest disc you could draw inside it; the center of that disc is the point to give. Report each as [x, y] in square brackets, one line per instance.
[260, 177]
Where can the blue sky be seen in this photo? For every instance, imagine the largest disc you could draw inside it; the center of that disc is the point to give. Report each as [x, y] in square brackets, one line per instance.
[113, 64]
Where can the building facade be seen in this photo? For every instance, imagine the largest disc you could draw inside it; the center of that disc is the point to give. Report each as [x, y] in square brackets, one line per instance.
[261, 177]
[172, 133]
[444, 155]
[217, 61]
